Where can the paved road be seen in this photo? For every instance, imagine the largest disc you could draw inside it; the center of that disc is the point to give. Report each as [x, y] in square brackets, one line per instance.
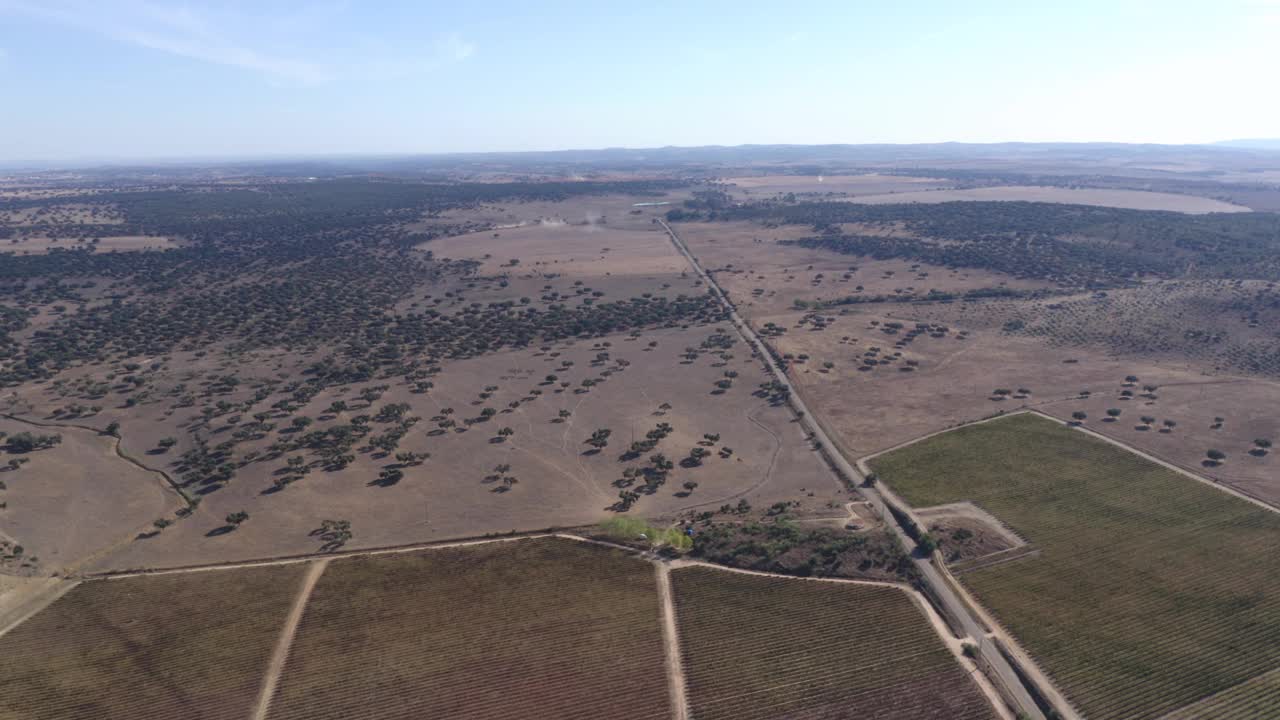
[953, 607]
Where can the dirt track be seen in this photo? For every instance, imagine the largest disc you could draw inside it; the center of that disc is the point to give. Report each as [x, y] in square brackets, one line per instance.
[955, 608]
[290, 629]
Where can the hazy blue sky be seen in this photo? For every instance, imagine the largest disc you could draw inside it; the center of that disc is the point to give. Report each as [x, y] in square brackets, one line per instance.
[145, 78]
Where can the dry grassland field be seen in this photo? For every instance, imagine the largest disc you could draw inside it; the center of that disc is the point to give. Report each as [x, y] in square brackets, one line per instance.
[767, 648]
[37, 245]
[1193, 406]
[192, 645]
[557, 248]
[542, 628]
[1220, 326]
[629, 212]
[944, 364]
[461, 489]
[840, 186]
[67, 503]
[1134, 199]
[763, 277]
[1150, 590]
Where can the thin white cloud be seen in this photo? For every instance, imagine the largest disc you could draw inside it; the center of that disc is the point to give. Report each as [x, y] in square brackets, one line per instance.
[185, 32]
[455, 49]
[178, 31]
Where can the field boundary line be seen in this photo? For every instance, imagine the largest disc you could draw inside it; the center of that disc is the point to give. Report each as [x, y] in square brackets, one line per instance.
[676, 683]
[837, 458]
[940, 628]
[31, 601]
[1223, 487]
[1178, 713]
[309, 557]
[1028, 666]
[275, 667]
[997, 629]
[1225, 484]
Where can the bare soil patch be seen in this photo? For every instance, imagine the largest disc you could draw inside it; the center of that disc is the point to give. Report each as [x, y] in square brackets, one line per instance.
[966, 532]
[556, 247]
[843, 186]
[1132, 199]
[39, 245]
[615, 211]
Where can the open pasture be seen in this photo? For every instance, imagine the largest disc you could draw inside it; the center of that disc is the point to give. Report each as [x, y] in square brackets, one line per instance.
[764, 648]
[543, 628]
[1151, 590]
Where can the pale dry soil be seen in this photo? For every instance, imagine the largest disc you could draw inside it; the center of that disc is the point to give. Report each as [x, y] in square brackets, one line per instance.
[764, 277]
[1246, 405]
[40, 245]
[1131, 199]
[954, 380]
[843, 186]
[545, 248]
[77, 499]
[614, 211]
[454, 493]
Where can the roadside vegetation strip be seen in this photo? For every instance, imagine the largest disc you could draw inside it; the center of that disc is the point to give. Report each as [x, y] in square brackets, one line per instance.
[190, 646]
[1150, 592]
[757, 647]
[531, 628]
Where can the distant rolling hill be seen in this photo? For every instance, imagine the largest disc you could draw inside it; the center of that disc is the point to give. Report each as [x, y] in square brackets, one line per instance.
[1252, 144]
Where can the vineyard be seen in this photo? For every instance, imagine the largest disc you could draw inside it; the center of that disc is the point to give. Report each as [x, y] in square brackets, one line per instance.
[1257, 698]
[759, 647]
[1151, 591]
[192, 646]
[526, 629]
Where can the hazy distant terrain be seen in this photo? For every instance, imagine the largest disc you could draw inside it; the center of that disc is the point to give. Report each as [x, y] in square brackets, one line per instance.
[695, 356]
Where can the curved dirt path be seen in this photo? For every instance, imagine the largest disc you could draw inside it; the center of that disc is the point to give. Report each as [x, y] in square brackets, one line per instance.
[169, 482]
[166, 482]
[768, 474]
[288, 631]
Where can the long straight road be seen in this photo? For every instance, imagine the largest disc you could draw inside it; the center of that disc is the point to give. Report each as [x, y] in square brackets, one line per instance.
[953, 607]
